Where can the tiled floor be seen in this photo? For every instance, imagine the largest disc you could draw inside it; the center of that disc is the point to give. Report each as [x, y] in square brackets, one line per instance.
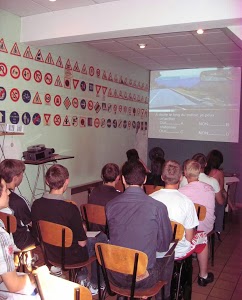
[227, 266]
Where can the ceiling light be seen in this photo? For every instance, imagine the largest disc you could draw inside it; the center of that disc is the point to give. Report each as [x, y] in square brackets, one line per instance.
[142, 46]
[52, 0]
[200, 31]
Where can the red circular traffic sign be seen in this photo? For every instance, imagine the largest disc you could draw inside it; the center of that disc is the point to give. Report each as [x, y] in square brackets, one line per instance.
[15, 72]
[90, 104]
[38, 76]
[47, 98]
[48, 78]
[75, 102]
[3, 69]
[26, 73]
[57, 100]
[57, 120]
[14, 94]
[96, 122]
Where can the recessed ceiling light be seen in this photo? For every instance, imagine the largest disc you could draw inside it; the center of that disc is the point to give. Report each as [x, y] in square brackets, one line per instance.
[142, 46]
[200, 31]
[52, 0]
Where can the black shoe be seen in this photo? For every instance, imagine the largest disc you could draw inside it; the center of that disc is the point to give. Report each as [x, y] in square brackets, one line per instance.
[204, 281]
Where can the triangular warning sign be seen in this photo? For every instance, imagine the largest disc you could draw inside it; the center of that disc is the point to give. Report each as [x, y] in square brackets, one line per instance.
[68, 65]
[39, 57]
[125, 80]
[58, 82]
[115, 94]
[66, 122]
[27, 53]
[116, 78]
[76, 67]
[110, 77]
[15, 50]
[37, 99]
[59, 62]
[75, 83]
[49, 59]
[47, 119]
[121, 80]
[84, 69]
[104, 75]
[3, 46]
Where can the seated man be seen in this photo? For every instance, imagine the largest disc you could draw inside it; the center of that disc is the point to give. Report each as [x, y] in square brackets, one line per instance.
[137, 221]
[52, 207]
[106, 192]
[181, 209]
[10, 280]
[200, 193]
[12, 171]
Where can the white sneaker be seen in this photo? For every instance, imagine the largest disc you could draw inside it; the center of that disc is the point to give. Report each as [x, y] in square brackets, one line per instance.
[83, 282]
[56, 271]
[93, 289]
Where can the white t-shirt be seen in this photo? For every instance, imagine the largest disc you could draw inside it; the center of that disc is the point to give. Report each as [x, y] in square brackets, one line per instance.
[204, 178]
[180, 209]
[202, 193]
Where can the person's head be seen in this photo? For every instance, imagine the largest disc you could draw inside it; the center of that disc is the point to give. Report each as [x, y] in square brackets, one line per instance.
[4, 193]
[110, 173]
[12, 171]
[192, 170]
[132, 154]
[214, 159]
[201, 158]
[156, 152]
[57, 177]
[172, 172]
[133, 173]
[157, 165]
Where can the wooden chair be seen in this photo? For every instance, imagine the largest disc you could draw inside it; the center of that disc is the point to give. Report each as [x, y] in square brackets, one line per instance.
[60, 236]
[51, 287]
[201, 214]
[95, 214]
[10, 224]
[150, 188]
[126, 261]
[181, 285]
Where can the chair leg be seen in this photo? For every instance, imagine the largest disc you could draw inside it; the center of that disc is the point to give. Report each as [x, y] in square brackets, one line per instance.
[179, 282]
[212, 241]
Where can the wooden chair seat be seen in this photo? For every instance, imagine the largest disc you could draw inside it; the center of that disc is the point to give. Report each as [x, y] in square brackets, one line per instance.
[73, 266]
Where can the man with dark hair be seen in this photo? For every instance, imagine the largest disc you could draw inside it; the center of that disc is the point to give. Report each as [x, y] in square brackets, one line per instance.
[139, 222]
[182, 210]
[12, 172]
[107, 191]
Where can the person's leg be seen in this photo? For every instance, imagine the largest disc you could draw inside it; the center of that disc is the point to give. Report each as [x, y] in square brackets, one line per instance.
[219, 213]
[203, 262]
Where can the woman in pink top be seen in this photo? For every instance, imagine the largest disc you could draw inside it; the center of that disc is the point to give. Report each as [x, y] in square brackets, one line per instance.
[214, 161]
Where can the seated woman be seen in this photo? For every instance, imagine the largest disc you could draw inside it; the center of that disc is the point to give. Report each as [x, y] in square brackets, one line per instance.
[154, 178]
[132, 155]
[214, 161]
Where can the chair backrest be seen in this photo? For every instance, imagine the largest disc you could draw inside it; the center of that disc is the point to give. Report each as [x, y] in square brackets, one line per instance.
[55, 234]
[52, 287]
[201, 211]
[9, 221]
[150, 188]
[120, 259]
[72, 202]
[120, 186]
[93, 213]
[178, 230]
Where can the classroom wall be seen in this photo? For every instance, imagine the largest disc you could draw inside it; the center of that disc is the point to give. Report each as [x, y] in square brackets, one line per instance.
[101, 132]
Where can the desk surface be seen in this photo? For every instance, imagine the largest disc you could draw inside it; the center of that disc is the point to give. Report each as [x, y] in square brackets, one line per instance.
[46, 160]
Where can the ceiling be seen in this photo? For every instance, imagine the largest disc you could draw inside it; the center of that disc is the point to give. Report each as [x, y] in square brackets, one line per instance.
[215, 48]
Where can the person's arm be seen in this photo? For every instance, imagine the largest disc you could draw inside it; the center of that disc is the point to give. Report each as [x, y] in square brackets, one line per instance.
[189, 233]
[15, 282]
[219, 198]
[76, 225]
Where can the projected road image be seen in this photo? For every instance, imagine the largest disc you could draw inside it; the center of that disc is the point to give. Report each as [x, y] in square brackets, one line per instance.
[199, 104]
